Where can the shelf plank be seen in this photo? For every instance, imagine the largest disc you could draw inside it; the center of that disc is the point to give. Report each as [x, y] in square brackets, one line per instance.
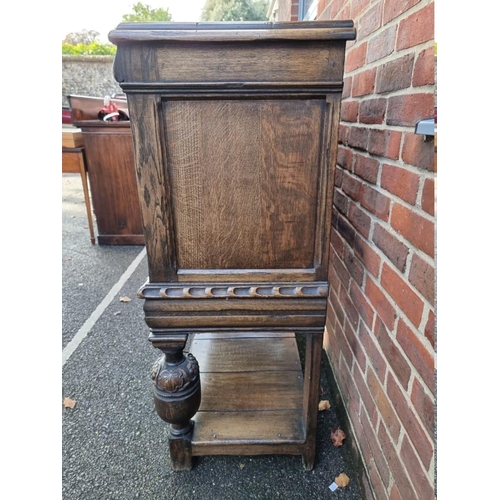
[243, 432]
[250, 354]
[251, 394]
[251, 391]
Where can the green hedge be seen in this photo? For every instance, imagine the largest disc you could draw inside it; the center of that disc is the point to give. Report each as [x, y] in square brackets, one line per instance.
[91, 49]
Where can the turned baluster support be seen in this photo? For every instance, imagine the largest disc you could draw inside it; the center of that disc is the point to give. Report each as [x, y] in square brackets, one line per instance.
[177, 394]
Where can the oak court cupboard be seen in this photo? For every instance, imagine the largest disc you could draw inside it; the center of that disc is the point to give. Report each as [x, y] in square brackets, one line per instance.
[234, 129]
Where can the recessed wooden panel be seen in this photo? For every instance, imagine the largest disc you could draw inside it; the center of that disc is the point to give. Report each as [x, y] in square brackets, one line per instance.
[244, 177]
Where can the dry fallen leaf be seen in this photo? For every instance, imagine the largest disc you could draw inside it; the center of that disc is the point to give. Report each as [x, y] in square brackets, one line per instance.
[342, 480]
[69, 403]
[324, 404]
[241, 466]
[125, 299]
[337, 436]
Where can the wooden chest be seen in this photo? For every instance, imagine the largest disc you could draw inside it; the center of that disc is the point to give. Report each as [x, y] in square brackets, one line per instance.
[235, 131]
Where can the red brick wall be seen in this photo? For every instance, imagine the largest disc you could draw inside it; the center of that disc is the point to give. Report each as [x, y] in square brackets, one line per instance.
[380, 327]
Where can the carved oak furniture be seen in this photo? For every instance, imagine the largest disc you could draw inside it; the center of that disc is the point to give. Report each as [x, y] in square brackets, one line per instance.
[235, 139]
[110, 164]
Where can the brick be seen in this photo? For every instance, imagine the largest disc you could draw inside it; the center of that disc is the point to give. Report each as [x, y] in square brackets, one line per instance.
[344, 131]
[376, 483]
[351, 311]
[394, 249]
[334, 309]
[342, 272]
[414, 430]
[374, 201]
[335, 7]
[366, 395]
[362, 305]
[397, 362]
[349, 111]
[375, 450]
[367, 255]
[337, 245]
[346, 91]
[364, 82]
[294, 12]
[340, 201]
[381, 45]
[333, 282]
[344, 157]
[418, 152]
[394, 494]
[337, 178]
[429, 331]
[417, 475]
[397, 469]
[401, 182]
[417, 28]
[395, 74]
[428, 199]
[380, 302]
[394, 8]
[352, 187]
[358, 137]
[424, 70]
[415, 228]
[372, 111]
[421, 276]
[383, 404]
[424, 406]
[370, 21]
[406, 110]
[354, 267]
[346, 230]
[373, 353]
[321, 6]
[417, 353]
[385, 143]
[356, 57]
[366, 167]
[360, 220]
[357, 7]
[403, 295]
[350, 336]
[344, 13]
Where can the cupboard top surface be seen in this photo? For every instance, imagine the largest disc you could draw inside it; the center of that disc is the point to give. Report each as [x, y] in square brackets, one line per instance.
[233, 31]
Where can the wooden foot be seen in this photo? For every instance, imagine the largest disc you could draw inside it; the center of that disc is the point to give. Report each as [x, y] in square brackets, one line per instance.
[312, 372]
[177, 395]
[180, 447]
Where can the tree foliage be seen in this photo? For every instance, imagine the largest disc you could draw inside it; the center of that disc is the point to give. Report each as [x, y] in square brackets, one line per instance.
[144, 13]
[84, 37]
[235, 10]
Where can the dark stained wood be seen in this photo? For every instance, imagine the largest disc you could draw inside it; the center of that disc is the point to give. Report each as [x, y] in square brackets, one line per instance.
[113, 185]
[312, 371]
[154, 188]
[235, 130]
[239, 429]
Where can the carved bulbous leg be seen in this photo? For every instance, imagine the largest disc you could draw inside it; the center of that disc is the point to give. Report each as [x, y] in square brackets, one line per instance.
[177, 395]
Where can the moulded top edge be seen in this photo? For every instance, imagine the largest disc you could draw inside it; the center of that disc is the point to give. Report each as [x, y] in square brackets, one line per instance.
[233, 31]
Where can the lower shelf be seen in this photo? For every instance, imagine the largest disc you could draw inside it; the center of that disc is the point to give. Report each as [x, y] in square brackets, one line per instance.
[251, 395]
